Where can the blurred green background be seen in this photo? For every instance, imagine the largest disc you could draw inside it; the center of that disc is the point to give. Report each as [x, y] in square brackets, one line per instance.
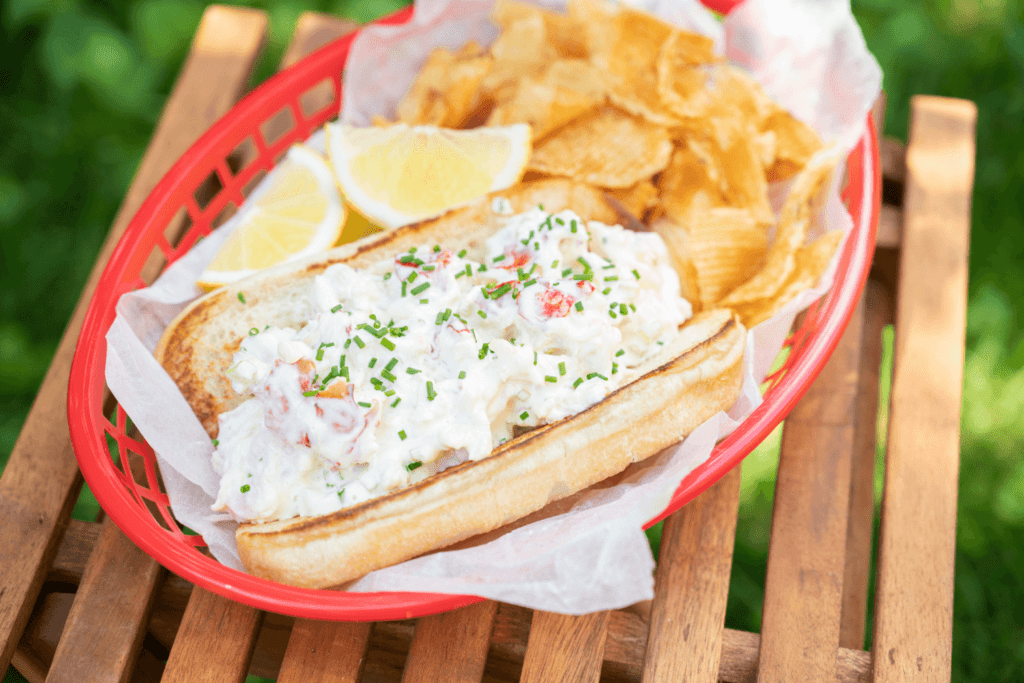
[82, 83]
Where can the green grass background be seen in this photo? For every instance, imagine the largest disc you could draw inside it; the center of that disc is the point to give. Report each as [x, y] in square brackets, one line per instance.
[82, 83]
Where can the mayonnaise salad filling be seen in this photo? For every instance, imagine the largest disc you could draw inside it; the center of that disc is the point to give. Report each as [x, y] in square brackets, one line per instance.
[429, 359]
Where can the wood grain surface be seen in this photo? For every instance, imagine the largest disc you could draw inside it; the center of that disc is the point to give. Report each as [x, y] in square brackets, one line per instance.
[804, 581]
[692, 587]
[451, 646]
[914, 594]
[41, 480]
[324, 651]
[104, 630]
[565, 648]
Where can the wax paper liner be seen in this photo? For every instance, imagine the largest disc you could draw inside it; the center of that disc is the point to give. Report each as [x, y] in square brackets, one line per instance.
[588, 553]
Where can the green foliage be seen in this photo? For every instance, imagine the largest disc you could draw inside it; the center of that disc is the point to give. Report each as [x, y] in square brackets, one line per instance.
[81, 87]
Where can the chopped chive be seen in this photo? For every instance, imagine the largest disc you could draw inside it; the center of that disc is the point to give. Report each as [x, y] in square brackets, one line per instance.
[572, 225]
[406, 258]
[585, 276]
[245, 488]
[606, 291]
[459, 274]
[439, 318]
[632, 308]
[336, 308]
[620, 352]
[615, 368]
[482, 314]
[469, 270]
[428, 268]
[311, 392]
[431, 394]
[612, 314]
[534, 357]
[404, 285]
[523, 415]
[636, 274]
[549, 378]
[521, 274]
[462, 254]
[566, 271]
[401, 433]
[447, 314]
[536, 246]
[554, 264]
[364, 404]
[412, 250]
[348, 342]
[375, 330]
[437, 248]
[419, 289]
[241, 297]
[661, 343]
[622, 309]
[216, 442]
[579, 305]
[391, 364]
[483, 268]
[560, 221]
[584, 262]
[591, 375]
[389, 393]
[412, 371]
[373, 361]
[344, 373]
[320, 354]
[602, 377]
[359, 342]
[412, 277]
[395, 404]
[611, 278]
[387, 276]
[387, 344]
[561, 368]
[253, 331]
[610, 265]
[501, 291]
[462, 375]
[341, 493]
[529, 282]
[424, 301]
[577, 383]
[413, 465]
[498, 259]
[483, 352]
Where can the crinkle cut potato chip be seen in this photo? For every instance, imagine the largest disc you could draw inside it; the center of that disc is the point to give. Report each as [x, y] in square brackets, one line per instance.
[793, 224]
[608, 148]
[624, 43]
[547, 104]
[521, 51]
[564, 33]
[682, 73]
[447, 89]
[687, 185]
[638, 198]
[811, 262]
[678, 243]
[726, 246]
[794, 144]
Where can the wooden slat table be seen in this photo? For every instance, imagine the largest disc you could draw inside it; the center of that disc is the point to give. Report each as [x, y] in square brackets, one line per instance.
[78, 600]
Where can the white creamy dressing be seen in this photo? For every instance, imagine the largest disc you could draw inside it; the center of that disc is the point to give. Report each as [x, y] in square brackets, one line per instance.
[429, 359]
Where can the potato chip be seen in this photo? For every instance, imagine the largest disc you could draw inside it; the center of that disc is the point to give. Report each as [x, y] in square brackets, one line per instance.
[794, 221]
[745, 178]
[624, 43]
[795, 143]
[521, 51]
[682, 73]
[447, 89]
[607, 148]
[727, 246]
[564, 33]
[638, 198]
[811, 262]
[687, 185]
[568, 89]
[678, 243]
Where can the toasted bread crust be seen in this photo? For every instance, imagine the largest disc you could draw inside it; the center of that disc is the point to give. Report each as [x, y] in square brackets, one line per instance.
[658, 404]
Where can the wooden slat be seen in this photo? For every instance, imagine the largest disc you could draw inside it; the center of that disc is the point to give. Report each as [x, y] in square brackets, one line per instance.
[892, 155]
[215, 640]
[325, 651]
[804, 582]
[104, 630]
[692, 587]
[313, 30]
[914, 595]
[565, 648]
[41, 481]
[862, 470]
[451, 646]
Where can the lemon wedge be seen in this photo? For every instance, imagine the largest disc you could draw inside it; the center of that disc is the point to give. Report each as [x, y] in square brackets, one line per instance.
[295, 211]
[400, 174]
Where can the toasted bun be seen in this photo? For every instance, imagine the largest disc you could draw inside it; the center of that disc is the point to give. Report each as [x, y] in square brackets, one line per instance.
[659, 403]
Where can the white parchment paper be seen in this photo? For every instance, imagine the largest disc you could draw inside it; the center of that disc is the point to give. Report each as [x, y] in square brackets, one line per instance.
[590, 553]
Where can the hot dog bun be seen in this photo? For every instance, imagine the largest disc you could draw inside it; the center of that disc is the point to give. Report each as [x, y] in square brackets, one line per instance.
[658, 404]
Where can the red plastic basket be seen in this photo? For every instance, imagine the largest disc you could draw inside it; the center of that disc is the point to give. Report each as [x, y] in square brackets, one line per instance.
[121, 469]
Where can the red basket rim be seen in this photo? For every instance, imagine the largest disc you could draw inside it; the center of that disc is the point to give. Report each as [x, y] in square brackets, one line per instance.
[86, 385]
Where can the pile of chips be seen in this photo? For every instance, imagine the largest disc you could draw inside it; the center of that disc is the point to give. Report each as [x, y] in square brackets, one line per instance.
[687, 143]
